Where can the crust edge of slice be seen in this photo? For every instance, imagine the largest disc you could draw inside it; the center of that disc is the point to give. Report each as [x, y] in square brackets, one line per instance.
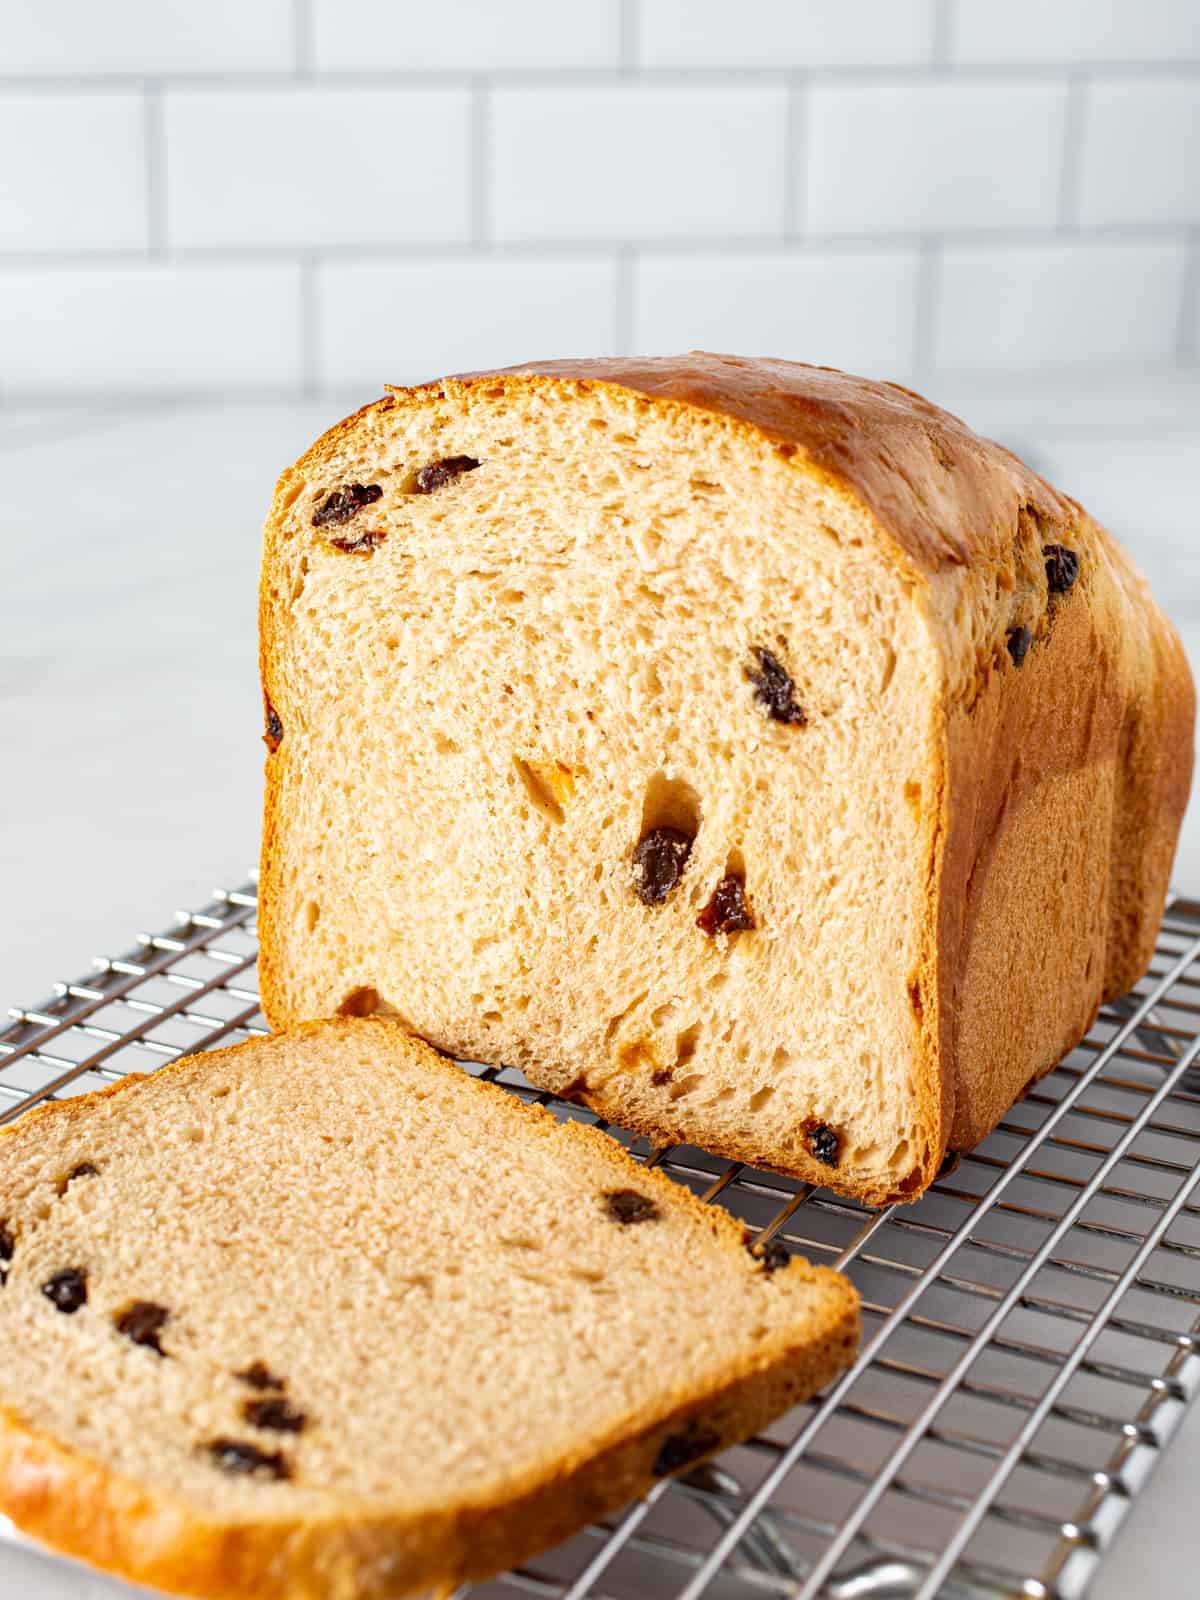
[66, 1500]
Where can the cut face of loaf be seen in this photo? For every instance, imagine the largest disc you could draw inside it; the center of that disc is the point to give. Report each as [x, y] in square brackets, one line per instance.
[323, 1318]
[746, 749]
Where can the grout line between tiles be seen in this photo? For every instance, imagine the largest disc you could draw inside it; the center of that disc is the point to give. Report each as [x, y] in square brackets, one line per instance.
[156, 168]
[480, 178]
[943, 24]
[623, 306]
[627, 24]
[1072, 155]
[929, 274]
[1187, 344]
[310, 312]
[902, 73]
[795, 160]
[303, 42]
[825, 244]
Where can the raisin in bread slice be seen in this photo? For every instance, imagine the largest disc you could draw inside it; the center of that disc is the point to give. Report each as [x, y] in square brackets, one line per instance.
[322, 1317]
[749, 749]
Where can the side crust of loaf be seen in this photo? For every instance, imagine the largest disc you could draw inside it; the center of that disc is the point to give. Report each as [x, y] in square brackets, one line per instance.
[62, 1498]
[1104, 699]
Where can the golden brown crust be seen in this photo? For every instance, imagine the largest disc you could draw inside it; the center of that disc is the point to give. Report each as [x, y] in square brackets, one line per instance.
[1068, 778]
[75, 1505]
[1106, 686]
[941, 492]
[64, 1499]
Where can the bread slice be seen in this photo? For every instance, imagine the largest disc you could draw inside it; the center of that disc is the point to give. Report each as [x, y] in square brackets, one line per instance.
[747, 749]
[323, 1317]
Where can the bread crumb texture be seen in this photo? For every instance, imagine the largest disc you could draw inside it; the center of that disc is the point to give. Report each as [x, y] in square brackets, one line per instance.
[322, 1315]
[695, 735]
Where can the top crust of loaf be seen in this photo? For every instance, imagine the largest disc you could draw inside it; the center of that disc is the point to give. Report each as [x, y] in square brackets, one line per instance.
[941, 493]
[1104, 706]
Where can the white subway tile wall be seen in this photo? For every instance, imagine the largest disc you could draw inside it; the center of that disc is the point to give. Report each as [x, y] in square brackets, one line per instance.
[74, 171]
[300, 167]
[853, 309]
[1074, 32]
[459, 36]
[145, 37]
[401, 321]
[932, 156]
[310, 195]
[766, 33]
[637, 161]
[1141, 152]
[127, 328]
[1072, 304]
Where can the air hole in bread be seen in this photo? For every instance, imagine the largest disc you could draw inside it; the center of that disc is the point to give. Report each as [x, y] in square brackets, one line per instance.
[760, 1096]
[912, 799]
[299, 580]
[682, 1087]
[548, 784]
[312, 915]
[686, 1042]
[889, 668]
[360, 1002]
[670, 803]
[85, 1169]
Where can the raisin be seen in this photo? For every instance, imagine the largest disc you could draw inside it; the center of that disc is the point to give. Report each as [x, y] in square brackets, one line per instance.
[1062, 567]
[627, 1206]
[727, 911]
[243, 1460]
[275, 1413]
[7, 1245]
[823, 1143]
[659, 861]
[1018, 642]
[274, 734]
[681, 1449]
[774, 689]
[439, 473]
[85, 1169]
[142, 1321]
[363, 545]
[67, 1290]
[345, 503]
[259, 1376]
[773, 1255]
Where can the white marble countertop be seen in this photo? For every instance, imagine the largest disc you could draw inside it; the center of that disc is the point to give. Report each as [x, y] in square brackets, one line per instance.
[130, 712]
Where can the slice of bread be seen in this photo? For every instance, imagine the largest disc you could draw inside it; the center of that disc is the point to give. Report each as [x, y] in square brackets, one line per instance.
[323, 1317]
[748, 749]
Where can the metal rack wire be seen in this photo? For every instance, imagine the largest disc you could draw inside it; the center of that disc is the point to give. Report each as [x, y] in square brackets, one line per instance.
[1032, 1325]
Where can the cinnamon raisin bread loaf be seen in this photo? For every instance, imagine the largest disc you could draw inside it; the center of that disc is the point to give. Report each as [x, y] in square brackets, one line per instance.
[747, 749]
[321, 1317]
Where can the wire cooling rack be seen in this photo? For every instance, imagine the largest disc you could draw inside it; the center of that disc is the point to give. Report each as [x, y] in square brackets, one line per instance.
[1032, 1325]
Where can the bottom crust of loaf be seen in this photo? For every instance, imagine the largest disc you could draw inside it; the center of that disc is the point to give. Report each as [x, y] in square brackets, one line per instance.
[76, 1506]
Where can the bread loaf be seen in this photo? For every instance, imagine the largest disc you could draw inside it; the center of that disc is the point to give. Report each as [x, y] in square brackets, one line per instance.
[321, 1317]
[746, 749]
